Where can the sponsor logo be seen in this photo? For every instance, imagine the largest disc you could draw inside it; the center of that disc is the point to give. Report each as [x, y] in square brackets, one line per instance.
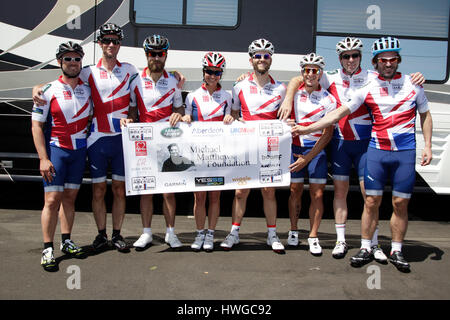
[79, 91]
[272, 176]
[67, 95]
[38, 110]
[242, 181]
[242, 131]
[103, 74]
[171, 132]
[207, 131]
[209, 181]
[253, 90]
[384, 91]
[162, 83]
[117, 71]
[143, 183]
[205, 98]
[175, 183]
[273, 144]
[346, 84]
[148, 84]
[140, 148]
[140, 133]
[303, 97]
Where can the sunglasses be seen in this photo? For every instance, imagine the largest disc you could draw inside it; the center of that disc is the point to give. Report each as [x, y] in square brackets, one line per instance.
[213, 72]
[69, 59]
[386, 60]
[110, 40]
[347, 56]
[260, 56]
[156, 54]
[313, 70]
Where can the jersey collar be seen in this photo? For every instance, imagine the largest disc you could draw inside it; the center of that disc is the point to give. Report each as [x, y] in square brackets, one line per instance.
[252, 79]
[206, 89]
[100, 65]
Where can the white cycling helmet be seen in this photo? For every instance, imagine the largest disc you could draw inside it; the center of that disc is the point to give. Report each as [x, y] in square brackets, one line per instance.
[348, 44]
[213, 59]
[313, 59]
[385, 44]
[260, 45]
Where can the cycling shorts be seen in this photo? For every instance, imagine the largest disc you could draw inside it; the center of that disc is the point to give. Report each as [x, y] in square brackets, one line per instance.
[345, 154]
[69, 167]
[399, 166]
[316, 168]
[104, 152]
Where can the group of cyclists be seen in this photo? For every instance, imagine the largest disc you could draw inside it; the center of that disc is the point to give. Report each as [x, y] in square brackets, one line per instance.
[81, 114]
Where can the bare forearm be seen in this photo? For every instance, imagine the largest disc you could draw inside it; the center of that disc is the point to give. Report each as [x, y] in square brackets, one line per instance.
[321, 143]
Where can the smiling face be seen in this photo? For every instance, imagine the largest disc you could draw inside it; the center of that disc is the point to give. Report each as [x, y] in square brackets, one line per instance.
[261, 61]
[350, 61]
[110, 46]
[387, 64]
[311, 76]
[211, 77]
[70, 68]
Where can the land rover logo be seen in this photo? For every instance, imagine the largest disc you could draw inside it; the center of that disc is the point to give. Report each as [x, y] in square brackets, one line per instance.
[171, 132]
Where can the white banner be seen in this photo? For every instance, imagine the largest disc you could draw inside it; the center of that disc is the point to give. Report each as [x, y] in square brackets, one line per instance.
[205, 156]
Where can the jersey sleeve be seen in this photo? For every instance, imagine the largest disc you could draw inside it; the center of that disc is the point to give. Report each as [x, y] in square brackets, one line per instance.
[330, 103]
[40, 113]
[236, 105]
[422, 101]
[188, 104]
[177, 98]
[357, 99]
[229, 103]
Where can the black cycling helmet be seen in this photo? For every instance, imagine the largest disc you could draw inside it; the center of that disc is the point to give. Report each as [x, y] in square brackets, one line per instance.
[155, 42]
[109, 29]
[69, 47]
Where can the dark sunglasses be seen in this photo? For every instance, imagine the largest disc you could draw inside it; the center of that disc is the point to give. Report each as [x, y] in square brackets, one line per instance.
[347, 56]
[155, 54]
[260, 56]
[69, 59]
[213, 72]
[313, 70]
[386, 60]
[110, 40]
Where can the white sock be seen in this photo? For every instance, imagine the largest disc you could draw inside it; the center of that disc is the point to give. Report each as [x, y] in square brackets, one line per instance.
[340, 231]
[375, 237]
[201, 232]
[148, 230]
[271, 231]
[235, 229]
[210, 232]
[365, 244]
[170, 230]
[396, 246]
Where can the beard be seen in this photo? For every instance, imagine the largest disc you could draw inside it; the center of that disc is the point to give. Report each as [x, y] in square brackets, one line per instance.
[387, 73]
[262, 68]
[71, 74]
[156, 66]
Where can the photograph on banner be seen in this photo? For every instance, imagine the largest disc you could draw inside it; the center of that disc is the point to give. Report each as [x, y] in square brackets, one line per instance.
[205, 156]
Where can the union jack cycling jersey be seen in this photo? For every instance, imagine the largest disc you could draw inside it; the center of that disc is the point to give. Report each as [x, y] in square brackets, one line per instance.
[203, 106]
[66, 113]
[358, 124]
[308, 109]
[110, 95]
[258, 103]
[393, 106]
[155, 100]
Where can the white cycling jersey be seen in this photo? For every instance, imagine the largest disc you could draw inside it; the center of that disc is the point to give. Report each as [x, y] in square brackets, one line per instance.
[155, 100]
[66, 111]
[110, 95]
[358, 124]
[308, 109]
[203, 106]
[257, 103]
[393, 105]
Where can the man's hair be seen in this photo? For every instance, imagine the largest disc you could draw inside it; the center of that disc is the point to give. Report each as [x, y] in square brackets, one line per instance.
[171, 145]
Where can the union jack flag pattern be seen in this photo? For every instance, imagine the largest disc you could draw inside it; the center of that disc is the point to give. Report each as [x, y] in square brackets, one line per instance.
[203, 106]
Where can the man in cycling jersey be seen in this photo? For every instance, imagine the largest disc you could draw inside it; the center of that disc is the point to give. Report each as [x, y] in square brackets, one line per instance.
[59, 131]
[393, 101]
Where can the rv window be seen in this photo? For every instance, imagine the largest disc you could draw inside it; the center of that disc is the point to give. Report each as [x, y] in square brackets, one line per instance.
[222, 13]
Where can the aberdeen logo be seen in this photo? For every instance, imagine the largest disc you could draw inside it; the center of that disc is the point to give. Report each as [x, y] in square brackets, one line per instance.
[171, 132]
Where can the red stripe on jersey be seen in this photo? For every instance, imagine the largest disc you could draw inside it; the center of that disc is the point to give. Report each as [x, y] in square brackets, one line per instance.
[120, 86]
[81, 110]
[102, 109]
[152, 116]
[164, 97]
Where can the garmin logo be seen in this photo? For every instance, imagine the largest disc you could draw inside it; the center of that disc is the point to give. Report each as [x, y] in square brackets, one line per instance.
[171, 132]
